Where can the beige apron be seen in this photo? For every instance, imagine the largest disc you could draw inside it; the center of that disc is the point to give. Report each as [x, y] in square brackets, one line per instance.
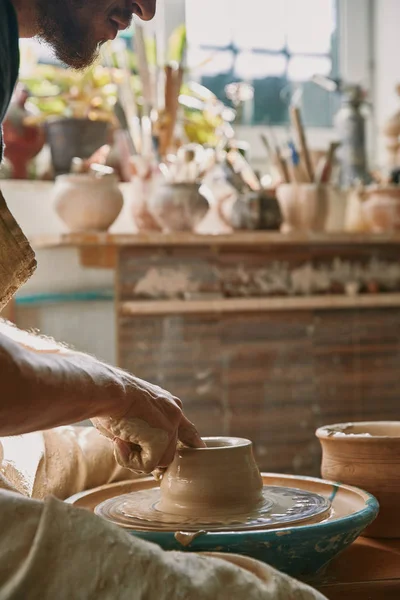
[17, 259]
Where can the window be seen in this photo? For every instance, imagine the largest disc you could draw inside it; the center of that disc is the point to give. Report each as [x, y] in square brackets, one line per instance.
[276, 46]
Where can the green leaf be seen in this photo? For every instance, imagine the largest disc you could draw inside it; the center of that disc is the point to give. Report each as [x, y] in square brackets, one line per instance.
[177, 45]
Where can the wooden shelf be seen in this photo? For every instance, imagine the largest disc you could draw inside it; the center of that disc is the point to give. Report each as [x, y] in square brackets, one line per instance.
[257, 238]
[234, 305]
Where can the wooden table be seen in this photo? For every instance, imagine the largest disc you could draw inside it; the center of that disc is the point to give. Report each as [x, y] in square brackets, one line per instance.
[241, 327]
[368, 570]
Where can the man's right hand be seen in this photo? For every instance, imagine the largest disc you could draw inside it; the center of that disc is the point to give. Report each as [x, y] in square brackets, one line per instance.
[147, 425]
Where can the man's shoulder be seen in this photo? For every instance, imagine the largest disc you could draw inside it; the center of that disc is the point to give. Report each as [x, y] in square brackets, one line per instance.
[9, 56]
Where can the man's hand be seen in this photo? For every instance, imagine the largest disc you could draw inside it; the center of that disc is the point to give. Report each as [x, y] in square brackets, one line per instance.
[145, 435]
[44, 385]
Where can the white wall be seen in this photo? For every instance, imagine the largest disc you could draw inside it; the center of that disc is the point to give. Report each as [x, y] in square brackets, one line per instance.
[88, 326]
[387, 66]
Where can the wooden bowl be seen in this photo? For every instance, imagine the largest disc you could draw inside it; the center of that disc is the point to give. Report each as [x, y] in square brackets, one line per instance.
[367, 455]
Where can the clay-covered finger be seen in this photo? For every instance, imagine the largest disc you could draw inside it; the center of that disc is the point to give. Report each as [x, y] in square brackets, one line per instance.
[169, 454]
[188, 434]
[128, 455]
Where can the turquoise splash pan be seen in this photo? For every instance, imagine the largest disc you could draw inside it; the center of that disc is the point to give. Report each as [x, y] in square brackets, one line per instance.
[301, 550]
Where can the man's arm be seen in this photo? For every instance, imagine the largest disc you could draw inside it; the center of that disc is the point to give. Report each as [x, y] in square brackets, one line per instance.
[51, 386]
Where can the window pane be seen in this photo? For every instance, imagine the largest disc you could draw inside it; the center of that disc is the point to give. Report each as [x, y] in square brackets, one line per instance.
[208, 22]
[250, 66]
[261, 25]
[302, 68]
[209, 62]
[310, 24]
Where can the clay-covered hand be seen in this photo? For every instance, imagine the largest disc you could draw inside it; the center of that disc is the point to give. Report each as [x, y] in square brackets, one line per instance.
[146, 426]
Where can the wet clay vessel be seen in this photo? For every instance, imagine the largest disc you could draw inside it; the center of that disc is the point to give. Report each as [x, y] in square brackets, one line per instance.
[214, 488]
[220, 479]
[367, 455]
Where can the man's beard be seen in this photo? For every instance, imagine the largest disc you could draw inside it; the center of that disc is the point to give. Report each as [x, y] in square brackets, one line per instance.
[68, 35]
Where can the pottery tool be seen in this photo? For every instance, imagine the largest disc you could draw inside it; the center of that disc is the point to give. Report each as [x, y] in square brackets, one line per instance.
[241, 167]
[297, 122]
[282, 165]
[143, 68]
[295, 167]
[279, 159]
[127, 95]
[324, 168]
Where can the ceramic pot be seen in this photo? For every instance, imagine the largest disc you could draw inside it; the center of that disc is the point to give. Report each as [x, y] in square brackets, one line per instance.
[221, 479]
[256, 211]
[304, 206]
[87, 203]
[367, 455]
[178, 206]
[70, 138]
[381, 208]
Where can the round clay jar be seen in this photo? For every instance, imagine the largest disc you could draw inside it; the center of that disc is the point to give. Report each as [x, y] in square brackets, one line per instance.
[178, 206]
[221, 479]
[367, 455]
[87, 203]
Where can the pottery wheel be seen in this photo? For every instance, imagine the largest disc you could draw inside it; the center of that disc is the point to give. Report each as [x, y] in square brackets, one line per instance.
[280, 506]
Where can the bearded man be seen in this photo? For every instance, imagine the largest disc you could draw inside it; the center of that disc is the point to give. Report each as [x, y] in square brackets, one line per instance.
[49, 549]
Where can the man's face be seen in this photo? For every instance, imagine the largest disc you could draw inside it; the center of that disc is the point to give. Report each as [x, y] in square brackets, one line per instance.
[77, 28]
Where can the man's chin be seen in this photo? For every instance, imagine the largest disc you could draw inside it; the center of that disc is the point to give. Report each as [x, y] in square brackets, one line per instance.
[71, 56]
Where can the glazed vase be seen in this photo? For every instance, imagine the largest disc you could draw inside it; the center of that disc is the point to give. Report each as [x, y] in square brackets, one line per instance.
[221, 479]
[367, 455]
[87, 203]
[178, 206]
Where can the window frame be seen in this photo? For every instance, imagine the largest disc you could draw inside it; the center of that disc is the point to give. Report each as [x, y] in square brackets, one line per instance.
[355, 64]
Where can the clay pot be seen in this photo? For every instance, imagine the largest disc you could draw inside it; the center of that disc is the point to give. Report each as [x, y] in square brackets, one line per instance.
[367, 455]
[69, 138]
[221, 479]
[304, 206]
[87, 203]
[381, 208]
[256, 211]
[178, 206]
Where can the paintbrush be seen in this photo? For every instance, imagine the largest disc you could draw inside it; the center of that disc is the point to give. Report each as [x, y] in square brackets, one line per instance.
[143, 68]
[305, 158]
[242, 168]
[127, 96]
[295, 169]
[325, 165]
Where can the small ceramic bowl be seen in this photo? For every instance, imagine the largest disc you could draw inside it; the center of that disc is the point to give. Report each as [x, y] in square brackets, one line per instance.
[367, 455]
[220, 479]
